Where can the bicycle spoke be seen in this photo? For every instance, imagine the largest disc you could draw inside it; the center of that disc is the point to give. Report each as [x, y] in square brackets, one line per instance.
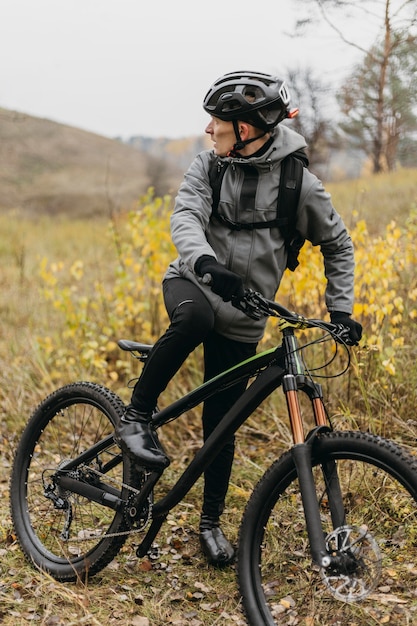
[376, 547]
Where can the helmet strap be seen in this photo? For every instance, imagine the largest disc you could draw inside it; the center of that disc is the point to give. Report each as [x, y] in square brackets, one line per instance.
[239, 145]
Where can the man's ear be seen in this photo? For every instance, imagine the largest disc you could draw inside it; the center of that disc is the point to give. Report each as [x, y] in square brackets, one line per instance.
[244, 130]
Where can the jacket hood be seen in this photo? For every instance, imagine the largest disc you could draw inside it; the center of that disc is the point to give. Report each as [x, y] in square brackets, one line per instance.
[285, 141]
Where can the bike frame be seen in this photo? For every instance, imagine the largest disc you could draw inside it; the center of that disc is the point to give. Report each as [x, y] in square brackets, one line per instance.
[272, 368]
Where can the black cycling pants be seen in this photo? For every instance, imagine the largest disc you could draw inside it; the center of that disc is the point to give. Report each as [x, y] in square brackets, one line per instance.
[192, 323]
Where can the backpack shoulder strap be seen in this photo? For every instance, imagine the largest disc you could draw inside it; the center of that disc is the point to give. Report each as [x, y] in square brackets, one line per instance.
[288, 198]
[217, 171]
[289, 191]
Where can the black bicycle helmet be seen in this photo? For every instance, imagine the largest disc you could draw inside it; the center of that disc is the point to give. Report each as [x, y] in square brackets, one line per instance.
[259, 99]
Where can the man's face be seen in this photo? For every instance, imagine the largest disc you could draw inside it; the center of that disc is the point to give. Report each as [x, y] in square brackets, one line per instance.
[222, 134]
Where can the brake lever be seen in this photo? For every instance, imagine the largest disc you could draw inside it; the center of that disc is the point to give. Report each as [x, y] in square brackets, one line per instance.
[248, 307]
[251, 304]
[342, 335]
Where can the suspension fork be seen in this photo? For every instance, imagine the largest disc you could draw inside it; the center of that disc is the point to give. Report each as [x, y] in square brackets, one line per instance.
[302, 452]
[302, 456]
[328, 467]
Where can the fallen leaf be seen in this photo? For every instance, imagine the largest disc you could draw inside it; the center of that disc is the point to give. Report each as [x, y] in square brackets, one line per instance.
[138, 620]
[202, 587]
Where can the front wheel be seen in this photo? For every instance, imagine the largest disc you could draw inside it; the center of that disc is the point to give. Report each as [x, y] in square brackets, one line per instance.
[378, 482]
[61, 532]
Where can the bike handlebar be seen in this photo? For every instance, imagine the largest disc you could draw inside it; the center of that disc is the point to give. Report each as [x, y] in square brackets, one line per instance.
[256, 306]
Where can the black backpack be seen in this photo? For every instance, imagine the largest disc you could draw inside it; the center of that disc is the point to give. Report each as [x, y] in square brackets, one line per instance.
[287, 204]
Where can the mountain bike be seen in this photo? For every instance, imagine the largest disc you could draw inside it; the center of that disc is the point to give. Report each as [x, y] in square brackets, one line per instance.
[335, 514]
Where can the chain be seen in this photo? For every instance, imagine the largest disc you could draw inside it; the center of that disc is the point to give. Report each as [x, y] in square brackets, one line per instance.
[110, 479]
[132, 531]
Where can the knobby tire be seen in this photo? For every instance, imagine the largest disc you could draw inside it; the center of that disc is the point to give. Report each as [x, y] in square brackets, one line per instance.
[66, 423]
[378, 480]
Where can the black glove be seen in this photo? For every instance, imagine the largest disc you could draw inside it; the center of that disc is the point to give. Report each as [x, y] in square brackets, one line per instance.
[354, 328]
[224, 283]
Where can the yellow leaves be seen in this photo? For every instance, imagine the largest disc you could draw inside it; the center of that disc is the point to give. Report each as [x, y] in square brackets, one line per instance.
[303, 290]
[361, 232]
[96, 313]
[385, 287]
[77, 270]
[399, 304]
[396, 319]
[48, 274]
[398, 342]
[389, 366]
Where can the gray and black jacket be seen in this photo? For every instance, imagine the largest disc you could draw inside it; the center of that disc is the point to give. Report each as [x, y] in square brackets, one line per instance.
[259, 255]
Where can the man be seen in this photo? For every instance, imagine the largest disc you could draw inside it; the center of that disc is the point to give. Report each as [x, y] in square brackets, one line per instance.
[246, 109]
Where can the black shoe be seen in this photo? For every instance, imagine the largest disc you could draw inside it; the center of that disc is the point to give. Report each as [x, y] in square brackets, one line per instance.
[218, 550]
[136, 437]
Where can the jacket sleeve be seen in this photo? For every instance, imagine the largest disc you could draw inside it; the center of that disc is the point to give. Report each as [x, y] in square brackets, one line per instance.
[318, 222]
[192, 212]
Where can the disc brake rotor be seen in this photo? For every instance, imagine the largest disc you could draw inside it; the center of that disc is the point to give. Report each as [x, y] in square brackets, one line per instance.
[356, 566]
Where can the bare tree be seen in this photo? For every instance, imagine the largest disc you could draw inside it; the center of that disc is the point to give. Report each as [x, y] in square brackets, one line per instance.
[377, 119]
[311, 96]
[396, 21]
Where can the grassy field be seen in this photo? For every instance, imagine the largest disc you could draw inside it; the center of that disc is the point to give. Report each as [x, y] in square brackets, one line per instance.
[66, 294]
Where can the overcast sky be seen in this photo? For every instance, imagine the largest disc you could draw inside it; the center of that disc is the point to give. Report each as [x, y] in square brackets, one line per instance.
[142, 67]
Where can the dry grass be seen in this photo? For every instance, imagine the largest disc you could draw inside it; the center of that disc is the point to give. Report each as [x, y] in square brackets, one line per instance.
[376, 199]
[46, 167]
[177, 587]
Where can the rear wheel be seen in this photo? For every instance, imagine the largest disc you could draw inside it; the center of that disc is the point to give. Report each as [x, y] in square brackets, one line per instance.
[378, 481]
[61, 532]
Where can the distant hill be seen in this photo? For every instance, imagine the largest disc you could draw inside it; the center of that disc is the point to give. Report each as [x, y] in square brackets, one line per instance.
[179, 151]
[52, 168]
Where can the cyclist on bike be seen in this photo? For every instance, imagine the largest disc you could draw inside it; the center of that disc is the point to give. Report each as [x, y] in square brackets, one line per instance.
[246, 109]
